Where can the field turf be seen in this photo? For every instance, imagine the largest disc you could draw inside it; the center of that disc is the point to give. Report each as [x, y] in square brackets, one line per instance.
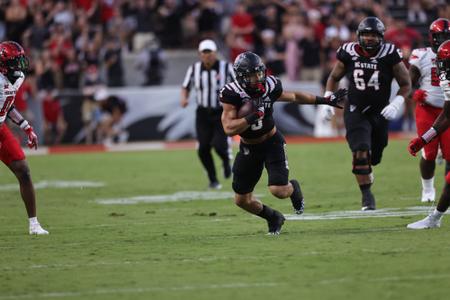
[210, 249]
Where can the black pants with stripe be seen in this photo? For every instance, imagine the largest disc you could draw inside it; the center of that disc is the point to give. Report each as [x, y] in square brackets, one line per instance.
[210, 134]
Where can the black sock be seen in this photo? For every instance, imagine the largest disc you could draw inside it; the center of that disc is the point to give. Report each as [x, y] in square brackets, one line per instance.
[266, 213]
[365, 190]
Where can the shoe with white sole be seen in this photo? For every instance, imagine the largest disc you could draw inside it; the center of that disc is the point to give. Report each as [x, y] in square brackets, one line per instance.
[429, 222]
[428, 195]
[36, 229]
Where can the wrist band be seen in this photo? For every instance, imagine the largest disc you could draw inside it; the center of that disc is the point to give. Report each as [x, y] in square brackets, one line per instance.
[320, 100]
[429, 135]
[24, 124]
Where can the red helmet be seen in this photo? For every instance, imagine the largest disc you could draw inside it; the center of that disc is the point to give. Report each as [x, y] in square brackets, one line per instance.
[439, 32]
[443, 60]
[12, 58]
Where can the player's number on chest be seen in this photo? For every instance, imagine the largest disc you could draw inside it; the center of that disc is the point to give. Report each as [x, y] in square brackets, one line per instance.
[7, 105]
[358, 78]
[257, 126]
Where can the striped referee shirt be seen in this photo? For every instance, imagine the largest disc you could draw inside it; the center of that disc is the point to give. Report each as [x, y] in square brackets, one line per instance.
[208, 83]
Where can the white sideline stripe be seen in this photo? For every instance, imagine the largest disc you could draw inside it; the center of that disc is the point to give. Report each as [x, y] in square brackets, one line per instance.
[358, 214]
[136, 147]
[383, 279]
[57, 184]
[178, 196]
[67, 294]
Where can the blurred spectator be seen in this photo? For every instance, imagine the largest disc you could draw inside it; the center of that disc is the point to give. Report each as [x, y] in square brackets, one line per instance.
[208, 20]
[404, 37]
[113, 63]
[111, 130]
[170, 14]
[15, 20]
[310, 57]
[54, 122]
[71, 70]
[240, 37]
[36, 36]
[416, 14]
[151, 61]
[293, 31]
[144, 14]
[272, 52]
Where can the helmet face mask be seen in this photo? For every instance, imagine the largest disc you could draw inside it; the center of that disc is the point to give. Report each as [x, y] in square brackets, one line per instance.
[250, 73]
[439, 33]
[370, 34]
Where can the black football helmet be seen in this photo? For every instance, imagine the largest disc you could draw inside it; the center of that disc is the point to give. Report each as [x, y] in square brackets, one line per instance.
[250, 73]
[371, 25]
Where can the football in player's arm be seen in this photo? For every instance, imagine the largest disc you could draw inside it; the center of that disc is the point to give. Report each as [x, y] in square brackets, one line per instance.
[441, 124]
[370, 65]
[261, 144]
[13, 64]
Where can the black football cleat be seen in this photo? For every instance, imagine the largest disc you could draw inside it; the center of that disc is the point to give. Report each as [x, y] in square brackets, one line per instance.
[368, 202]
[227, 170]
[297, 198]
[275, 223]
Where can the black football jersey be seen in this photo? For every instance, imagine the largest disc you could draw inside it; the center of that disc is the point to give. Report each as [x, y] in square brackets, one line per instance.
[370, 78]
[232, 93]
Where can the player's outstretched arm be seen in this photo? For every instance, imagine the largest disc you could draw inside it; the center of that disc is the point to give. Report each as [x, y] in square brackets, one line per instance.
[440, 125]
[232, 125]
[307, 98]
[17, 118]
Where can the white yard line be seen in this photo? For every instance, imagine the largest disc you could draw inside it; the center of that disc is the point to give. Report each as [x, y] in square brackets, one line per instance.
[384, 279]
[68, 294]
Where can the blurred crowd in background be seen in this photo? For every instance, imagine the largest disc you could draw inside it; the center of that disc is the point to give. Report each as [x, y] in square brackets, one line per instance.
[77, 45]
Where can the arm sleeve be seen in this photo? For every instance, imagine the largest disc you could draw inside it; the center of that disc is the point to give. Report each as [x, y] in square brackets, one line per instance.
[342, 55]
[277, 90]
[188, 78]
[15, 116]
[415, 58]
[396, 56]
[228, 96]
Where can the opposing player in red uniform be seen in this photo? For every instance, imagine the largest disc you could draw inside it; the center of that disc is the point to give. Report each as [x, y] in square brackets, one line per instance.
[13, 64]
[441, 124]
[430, 101]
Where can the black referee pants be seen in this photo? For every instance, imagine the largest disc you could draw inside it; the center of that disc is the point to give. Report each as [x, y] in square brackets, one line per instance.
[210, 134]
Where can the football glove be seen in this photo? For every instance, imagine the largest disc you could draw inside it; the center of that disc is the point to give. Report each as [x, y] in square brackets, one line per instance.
[420, 96]
[415, 145]
[390, 112]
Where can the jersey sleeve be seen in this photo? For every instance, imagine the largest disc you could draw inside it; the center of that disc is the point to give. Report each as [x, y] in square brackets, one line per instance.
[395, 56]
[342, 55]
[228, 96]
[4, 105]
[277, 89]
[188, 77]
[416, 58]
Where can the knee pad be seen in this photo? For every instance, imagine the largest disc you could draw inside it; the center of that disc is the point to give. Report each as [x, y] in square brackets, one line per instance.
[361, 166]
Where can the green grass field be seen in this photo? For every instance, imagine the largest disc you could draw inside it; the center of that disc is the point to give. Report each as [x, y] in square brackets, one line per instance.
[210, 249]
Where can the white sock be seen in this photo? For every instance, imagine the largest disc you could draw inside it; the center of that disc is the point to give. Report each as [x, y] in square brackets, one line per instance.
[428, 184]
[437, 214]
[33, 221]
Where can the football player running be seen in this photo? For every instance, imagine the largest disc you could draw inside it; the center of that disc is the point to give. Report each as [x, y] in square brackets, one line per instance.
[262, 145]
[13, 64]
[370, 65]
[429, 100]
[441, 124]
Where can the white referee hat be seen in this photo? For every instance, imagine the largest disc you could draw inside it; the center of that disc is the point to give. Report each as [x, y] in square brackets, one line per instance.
[207, 45]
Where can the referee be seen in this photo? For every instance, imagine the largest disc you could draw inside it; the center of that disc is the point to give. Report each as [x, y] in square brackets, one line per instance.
[207, 77]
